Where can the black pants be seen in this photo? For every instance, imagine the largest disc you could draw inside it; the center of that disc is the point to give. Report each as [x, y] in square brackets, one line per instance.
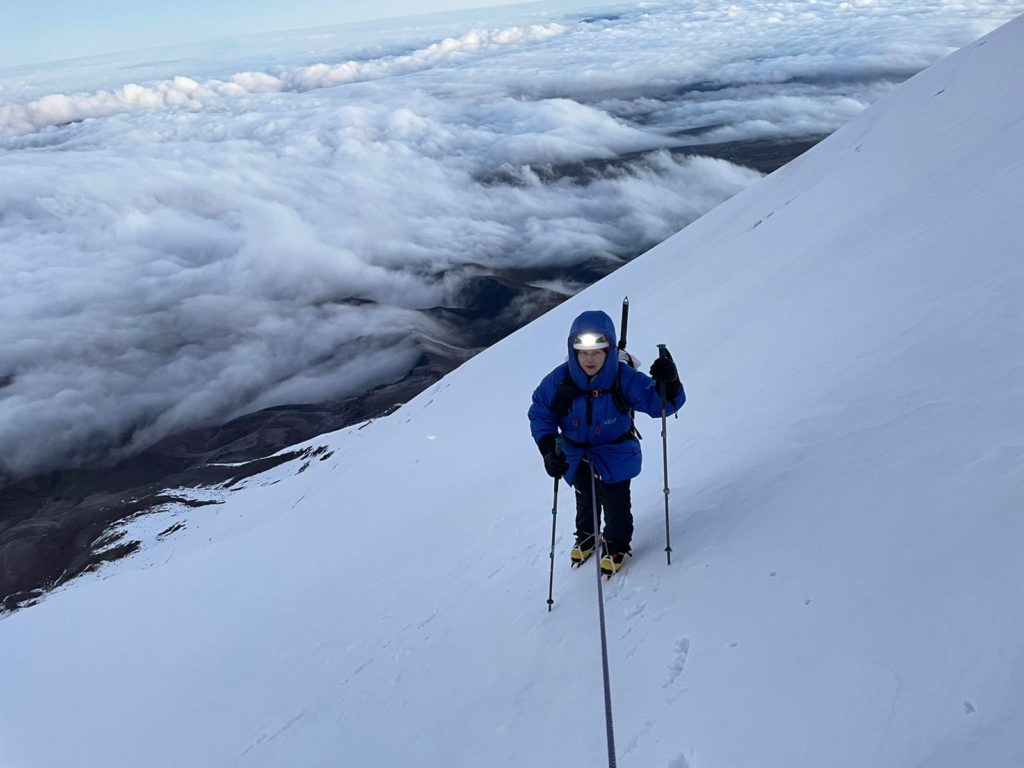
[614, 500]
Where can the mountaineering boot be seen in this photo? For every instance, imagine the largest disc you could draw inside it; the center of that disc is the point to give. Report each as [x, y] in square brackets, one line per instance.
[582, 550]
[612, 562]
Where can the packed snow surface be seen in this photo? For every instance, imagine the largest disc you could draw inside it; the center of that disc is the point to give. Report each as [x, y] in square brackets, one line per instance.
[846, 587]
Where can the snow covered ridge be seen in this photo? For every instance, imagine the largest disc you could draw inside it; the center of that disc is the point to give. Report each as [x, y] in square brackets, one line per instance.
[846, 589]
[187, 94]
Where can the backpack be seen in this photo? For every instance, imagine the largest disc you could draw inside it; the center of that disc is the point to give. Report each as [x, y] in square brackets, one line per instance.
[567, 391]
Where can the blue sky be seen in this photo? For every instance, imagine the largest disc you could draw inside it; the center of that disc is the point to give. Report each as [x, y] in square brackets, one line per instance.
[48, 30]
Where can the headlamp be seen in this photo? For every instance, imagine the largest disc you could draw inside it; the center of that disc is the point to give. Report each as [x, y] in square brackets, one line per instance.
[590, 341]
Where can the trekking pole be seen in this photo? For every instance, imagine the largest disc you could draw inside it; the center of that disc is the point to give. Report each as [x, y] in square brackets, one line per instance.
[551, 577]
[609, 728]
[662, 352]
[554, 517]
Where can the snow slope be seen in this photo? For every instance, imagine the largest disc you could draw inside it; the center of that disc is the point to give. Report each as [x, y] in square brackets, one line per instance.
[846, 587]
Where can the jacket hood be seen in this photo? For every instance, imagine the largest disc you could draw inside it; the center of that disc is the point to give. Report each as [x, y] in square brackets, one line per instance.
[594, 321]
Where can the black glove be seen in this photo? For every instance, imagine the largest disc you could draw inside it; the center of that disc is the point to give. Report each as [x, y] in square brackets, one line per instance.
[555, 463]
[663, 369]
[665, 374]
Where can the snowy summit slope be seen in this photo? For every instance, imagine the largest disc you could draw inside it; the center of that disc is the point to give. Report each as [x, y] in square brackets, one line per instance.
[846, 586]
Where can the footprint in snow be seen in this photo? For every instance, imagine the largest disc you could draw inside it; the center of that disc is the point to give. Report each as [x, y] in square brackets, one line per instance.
[635, 610]
[678, 662]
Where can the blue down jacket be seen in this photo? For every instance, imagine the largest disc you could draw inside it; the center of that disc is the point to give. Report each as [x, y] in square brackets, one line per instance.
[595, 425]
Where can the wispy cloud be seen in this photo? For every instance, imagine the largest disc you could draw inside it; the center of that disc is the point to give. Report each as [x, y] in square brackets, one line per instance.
[185, 93]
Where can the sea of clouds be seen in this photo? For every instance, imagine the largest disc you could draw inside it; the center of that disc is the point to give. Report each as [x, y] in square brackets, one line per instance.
[186, 238]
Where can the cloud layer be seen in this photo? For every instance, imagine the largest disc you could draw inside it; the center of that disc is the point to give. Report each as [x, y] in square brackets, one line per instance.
[186, 249]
